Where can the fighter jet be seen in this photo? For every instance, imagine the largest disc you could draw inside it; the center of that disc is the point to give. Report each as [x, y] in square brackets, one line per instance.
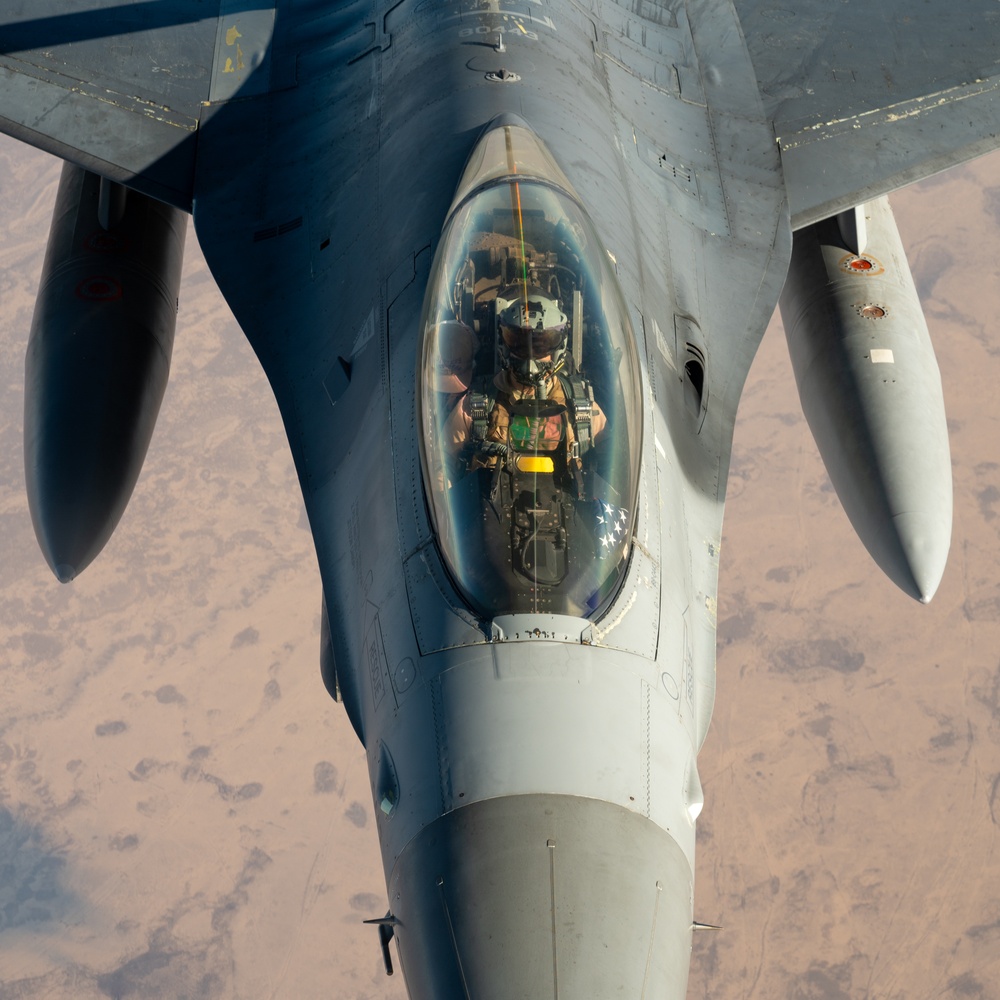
[506, 266]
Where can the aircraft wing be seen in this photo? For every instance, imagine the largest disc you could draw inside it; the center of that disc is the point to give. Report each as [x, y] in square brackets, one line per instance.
[867, 97]
[864, 97]
[119, 87]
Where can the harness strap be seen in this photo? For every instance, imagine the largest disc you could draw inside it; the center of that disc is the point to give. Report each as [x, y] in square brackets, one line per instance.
[580, 396]
[479, 406]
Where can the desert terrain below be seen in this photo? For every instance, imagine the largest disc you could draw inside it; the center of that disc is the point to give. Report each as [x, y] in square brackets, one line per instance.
[185, 813]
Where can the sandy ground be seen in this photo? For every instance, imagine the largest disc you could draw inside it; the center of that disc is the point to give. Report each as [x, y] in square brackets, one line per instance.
[184, 812]
[851, 773]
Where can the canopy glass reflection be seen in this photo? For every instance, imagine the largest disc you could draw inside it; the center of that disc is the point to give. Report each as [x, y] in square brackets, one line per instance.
[529, 392]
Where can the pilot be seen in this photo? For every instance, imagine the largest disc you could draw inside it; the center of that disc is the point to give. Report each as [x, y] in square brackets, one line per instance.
[533, 346]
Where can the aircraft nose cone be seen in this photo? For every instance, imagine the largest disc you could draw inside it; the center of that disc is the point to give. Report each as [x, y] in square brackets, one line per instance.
[542, 896]
[924, 540]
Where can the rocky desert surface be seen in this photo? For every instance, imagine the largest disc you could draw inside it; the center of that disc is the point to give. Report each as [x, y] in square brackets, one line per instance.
[185, 813]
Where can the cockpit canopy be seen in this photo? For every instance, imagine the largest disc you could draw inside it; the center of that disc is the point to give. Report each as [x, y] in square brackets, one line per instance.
[529, 391]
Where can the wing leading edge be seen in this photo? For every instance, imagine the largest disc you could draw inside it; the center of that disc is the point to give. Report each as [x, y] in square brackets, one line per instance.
[866, 98]
[120, 88]
[863, 98]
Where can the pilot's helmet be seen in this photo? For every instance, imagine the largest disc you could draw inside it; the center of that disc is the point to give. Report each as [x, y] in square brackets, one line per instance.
[533, 331]
[455, 346]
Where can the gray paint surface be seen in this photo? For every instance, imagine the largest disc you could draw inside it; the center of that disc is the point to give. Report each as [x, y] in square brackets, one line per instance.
[324, 179]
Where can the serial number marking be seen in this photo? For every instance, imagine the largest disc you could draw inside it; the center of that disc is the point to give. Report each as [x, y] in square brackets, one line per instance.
[499, 17]
[482, 29]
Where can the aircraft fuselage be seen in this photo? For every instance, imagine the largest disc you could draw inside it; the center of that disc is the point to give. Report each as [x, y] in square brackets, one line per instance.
[533, 773]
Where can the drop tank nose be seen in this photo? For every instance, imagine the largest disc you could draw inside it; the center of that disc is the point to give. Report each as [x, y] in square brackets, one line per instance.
[537, 896]
[97, 361]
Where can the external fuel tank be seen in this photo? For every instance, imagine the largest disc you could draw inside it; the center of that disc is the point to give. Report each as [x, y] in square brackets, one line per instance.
[871, 390]
[97, 361]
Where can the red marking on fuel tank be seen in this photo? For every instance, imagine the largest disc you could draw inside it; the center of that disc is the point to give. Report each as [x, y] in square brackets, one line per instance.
[872, 311]
[99, 289]
[105, 242]
[861, 264]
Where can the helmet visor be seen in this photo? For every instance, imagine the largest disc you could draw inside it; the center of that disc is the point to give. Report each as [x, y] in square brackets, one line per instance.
[532, 344]
[533, 325]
